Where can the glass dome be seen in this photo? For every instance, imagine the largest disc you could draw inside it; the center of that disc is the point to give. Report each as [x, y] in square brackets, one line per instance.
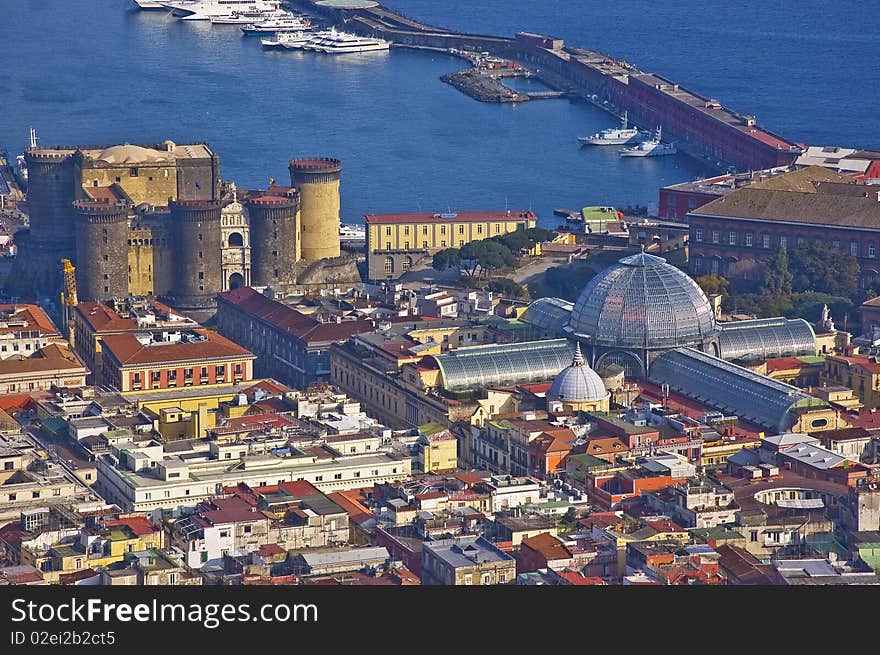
[577, 383]
[643, 302]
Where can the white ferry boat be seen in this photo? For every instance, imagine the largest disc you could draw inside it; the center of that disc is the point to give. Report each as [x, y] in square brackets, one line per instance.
[287, 23]
[247, 17]
[335, 42]
[206, 9]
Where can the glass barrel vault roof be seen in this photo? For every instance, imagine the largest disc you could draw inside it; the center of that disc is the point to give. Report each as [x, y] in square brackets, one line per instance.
[730, 388]
[643, 302]
[550, 314]
[504, 364]
[765, 338]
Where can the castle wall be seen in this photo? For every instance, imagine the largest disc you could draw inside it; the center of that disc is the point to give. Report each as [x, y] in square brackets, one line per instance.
[195, 229]
[152, 183]
[150, 257]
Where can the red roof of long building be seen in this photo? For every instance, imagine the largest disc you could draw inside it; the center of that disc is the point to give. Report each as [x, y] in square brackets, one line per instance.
[452, 217]
[129, 351]
[290, 320]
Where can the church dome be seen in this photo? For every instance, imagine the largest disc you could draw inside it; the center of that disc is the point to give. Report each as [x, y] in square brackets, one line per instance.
[577, 383]
[643, 302]
[129, 154]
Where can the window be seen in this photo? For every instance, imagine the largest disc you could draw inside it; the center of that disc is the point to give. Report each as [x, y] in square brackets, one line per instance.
[387, 246]
[204, 372]
[201, 275]
[754, 535]
[224, 534]
[337, 476]
[716, 236]
[461, 229]
[854, 248]
[319, 478]
[497, 228]
[155, 376]
[731, 238]
[424, 244]
[698, 234]
[836, 244]
[468, 579]
[133, 171]
[406, 230]
[137, 378]
[172, 374]
[8, 466]
[424, 229]
[487, 579]
[388, 231]
[801, 241]
[389, 264]
[783, 242]
[247, 529]
[442, 245]
[204, 556]
[479, 229]
[406, 245]
[502, 577]
[872, 250]
[187, 373]
[220, 371]
[765, 240]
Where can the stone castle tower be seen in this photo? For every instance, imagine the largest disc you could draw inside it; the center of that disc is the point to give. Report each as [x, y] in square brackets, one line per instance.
[317, 180]
[156, 220]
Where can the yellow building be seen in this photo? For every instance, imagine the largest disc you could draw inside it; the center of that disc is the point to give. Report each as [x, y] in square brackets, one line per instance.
[153, 174]
[861, 374]
[438, 449]
[191, 412]
[95, 547]
[396, 241]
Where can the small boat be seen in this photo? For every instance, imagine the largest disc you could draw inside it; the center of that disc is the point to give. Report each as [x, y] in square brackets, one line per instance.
[615, 135]
[352, 233]
[649, 148]
[288, 40]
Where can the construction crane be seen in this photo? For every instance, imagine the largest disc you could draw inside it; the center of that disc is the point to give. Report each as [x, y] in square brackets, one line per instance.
[69, 298]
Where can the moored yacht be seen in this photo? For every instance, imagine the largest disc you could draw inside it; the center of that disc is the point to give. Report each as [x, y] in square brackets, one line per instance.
[148, 4]
[289, 40]
[649, 148]
[615, 135]
[334, 42]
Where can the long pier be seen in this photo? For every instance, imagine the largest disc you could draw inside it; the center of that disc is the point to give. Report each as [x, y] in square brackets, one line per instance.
[716, 135]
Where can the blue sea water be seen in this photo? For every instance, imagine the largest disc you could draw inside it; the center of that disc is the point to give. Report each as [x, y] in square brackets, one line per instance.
[93, 72]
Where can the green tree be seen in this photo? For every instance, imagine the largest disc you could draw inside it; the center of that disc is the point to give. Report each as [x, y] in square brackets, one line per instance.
[713, 284]
[506, 286]
[446, 259]
[819, 267]
[777, 274]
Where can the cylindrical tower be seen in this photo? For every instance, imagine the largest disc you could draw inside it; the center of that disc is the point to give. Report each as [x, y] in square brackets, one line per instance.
[54, 182]
[101, 248]
[195, 229]
[317, 180]
[274, 238]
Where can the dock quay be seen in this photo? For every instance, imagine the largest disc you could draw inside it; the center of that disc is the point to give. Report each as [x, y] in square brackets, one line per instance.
[717, 136]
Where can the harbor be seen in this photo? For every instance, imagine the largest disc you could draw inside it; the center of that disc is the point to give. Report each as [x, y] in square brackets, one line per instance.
[702, 127]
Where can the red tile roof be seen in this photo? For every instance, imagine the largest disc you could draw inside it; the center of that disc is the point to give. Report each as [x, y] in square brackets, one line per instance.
[348, 500]
[287, 319]
[267, 550]
[128, 351]
[55, 356]
[575, 578]
[456, 217]
[139, 525]
[786, 363]
[548, 546]
[229, 510]
[35, 317]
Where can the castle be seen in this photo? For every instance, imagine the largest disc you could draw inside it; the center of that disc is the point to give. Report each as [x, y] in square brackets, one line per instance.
[157, 221]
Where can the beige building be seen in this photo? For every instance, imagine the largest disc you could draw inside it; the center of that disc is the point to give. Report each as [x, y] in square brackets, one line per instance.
[395, 242]
[466, 561]
[54, 365]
